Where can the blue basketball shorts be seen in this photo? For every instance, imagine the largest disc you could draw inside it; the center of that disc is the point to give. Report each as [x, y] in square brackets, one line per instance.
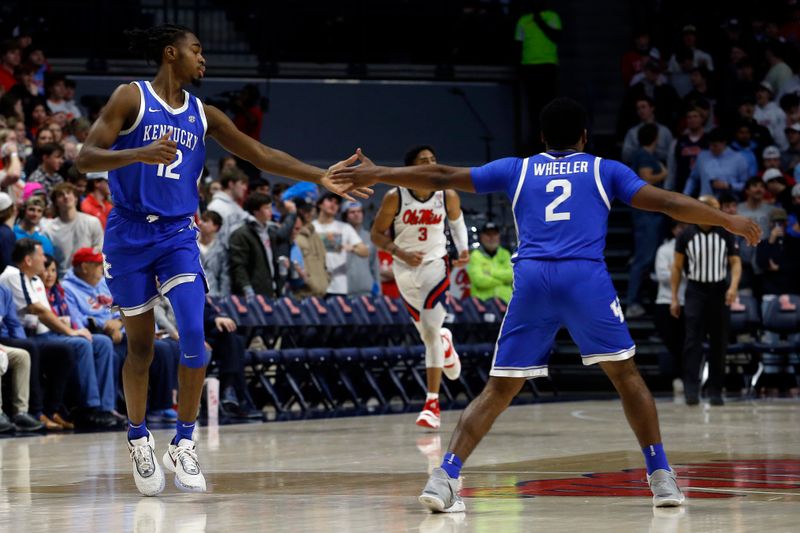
[575, 293]
[145, 257]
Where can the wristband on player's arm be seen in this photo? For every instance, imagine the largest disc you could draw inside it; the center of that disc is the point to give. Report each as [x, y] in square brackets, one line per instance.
[458, 230]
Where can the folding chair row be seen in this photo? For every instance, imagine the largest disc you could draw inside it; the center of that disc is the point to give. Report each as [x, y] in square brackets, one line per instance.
[333, 379]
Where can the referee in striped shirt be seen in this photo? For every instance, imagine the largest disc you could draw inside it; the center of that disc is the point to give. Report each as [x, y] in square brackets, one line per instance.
[710, 257]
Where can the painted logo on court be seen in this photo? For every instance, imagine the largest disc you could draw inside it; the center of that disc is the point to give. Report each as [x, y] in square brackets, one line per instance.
[715, 479]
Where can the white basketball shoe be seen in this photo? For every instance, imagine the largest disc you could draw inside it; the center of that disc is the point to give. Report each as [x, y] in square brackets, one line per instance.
[181, 458]
[452, 364]
[147, 472]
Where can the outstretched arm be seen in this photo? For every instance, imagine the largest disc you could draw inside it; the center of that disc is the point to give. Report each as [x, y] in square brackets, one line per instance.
[222, 130]
[120, 111]
[687, 209]
[424, 177]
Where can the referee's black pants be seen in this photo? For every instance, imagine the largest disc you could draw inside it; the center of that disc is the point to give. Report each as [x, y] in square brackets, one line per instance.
[706, 315]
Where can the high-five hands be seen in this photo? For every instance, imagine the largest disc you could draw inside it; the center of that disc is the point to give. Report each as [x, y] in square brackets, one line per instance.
[343, 186]
[352, 178]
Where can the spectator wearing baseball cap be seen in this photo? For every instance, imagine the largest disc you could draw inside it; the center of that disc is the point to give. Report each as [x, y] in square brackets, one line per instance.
[98, 197]
[363, 273]
[8, 212]
[778, 188]
[769, 114]
[778, 255]
[28, 225]
[90, 303]
[700, 58]
[791, 156]
[489, 267]
[34, 189]
[340, 240]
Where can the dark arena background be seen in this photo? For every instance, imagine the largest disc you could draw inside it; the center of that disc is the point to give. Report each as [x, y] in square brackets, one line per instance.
[333, 328]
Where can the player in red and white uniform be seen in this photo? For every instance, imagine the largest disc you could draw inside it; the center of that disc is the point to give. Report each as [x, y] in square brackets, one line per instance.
[415, 220]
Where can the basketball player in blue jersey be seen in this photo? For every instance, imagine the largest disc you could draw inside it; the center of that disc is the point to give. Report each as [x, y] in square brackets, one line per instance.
[151, 138]
[560, 200]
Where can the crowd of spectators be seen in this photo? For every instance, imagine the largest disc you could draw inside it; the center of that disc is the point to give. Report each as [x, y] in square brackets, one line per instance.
[60, 328]
[718, 115]
[720, 123]
[62, 344]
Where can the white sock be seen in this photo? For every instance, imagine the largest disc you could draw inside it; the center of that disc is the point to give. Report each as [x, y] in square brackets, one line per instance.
[432, 396]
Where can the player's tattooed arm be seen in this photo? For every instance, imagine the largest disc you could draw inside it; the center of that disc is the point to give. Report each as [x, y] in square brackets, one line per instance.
[687, 209]
[120, 112]
[222, 129]
[420, 177]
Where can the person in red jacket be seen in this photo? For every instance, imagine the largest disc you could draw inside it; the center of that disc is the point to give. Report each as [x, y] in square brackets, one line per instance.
[97, 202]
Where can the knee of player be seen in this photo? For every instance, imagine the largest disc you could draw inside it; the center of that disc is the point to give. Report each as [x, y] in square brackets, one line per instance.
[139, 351]
[502, 389]
[621, 371]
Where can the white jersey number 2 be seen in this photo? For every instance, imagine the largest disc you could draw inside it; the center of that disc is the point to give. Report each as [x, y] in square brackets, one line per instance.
[566, 191]
[166, 172]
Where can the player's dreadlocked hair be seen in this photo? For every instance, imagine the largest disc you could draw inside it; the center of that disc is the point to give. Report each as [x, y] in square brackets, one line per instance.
[151, 42]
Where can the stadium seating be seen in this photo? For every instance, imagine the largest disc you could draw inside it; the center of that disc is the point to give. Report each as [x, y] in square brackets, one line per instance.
[363, 353]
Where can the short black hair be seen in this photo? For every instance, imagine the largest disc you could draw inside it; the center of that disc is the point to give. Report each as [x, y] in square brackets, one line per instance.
[8, 45]
[728, 198]
[50, 149]
[645, 98]
[328, 195]
[412, 153]
[255, 201]
[563, 122]
[647, 134]
[742, 124]
[718, 135]
[23, 248]
[258, 182]
[213, 216]
[753, 181]
[151, 42]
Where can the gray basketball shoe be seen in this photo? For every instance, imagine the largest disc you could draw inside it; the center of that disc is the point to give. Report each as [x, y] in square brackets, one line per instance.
[440, 494]
[666, 492]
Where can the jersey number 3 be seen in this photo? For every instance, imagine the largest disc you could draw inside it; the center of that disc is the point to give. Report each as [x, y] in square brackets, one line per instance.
[566, 191]
[423, 234]
[166, 172]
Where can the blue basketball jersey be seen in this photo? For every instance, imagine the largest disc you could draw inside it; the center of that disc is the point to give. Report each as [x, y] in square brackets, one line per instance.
[166, 190]
[560, 201]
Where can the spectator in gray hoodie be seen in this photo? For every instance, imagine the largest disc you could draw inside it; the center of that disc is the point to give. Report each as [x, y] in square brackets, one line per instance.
[363, 273]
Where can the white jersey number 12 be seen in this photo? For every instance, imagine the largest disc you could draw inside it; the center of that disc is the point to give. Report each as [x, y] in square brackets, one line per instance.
[166, 172]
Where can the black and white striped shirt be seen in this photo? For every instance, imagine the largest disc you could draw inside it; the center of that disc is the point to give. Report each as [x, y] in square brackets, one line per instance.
[706, 253]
